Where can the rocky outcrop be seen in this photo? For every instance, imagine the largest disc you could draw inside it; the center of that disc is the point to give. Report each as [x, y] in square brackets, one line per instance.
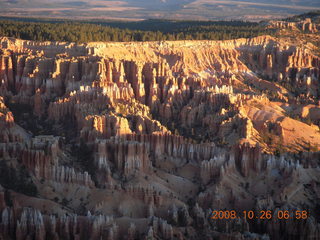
[167, 130]
[127, 156]
[161, 228]
[43, 161]
[305, 25]
[30, 223]
[175, 146]
[147, 194]
[9, 131]
[285, 63]
[168, 86]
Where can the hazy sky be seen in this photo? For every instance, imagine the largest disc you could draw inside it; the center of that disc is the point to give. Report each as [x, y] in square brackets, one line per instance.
[173, 9]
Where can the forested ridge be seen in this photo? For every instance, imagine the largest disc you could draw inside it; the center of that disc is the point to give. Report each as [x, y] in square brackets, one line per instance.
[149, 30]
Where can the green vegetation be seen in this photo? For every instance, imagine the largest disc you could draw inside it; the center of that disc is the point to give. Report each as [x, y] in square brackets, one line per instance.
[149, 30]
[17, 180]
[83, 154]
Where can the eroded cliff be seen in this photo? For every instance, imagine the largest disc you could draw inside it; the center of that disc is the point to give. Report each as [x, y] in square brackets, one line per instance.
[145, 140]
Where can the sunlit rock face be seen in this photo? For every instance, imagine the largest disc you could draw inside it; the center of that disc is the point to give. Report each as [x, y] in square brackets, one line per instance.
[305, 25]
[145, 140]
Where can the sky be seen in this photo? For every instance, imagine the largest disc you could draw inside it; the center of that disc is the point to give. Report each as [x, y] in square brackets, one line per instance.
[165, 9]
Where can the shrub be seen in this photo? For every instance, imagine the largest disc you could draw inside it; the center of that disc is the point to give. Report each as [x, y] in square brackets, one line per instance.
[17, 180]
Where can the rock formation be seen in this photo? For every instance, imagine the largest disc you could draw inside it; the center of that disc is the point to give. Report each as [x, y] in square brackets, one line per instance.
[146, 140]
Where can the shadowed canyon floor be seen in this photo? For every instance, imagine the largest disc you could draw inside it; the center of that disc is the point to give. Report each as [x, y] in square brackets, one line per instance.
[145, 140]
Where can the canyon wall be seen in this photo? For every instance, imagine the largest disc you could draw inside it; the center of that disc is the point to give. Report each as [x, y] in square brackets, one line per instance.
[145, 140]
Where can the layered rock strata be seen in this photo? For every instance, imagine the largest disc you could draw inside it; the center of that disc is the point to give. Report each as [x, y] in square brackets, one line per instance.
[145, 140]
